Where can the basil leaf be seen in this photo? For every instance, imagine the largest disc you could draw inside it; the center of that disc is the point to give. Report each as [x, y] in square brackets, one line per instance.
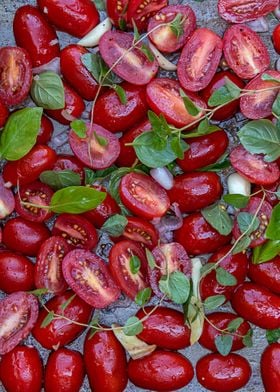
[190, 106]
[134, 264]
[91, 175]
[223, 344]
[205, 128]
[80, 128]
[225, 278]
[247, 222]
[113, 186]
[60, 179]
[241, 245]
[276, 106]
[150, 259]
[143, 296]
[214, 301]
[273, 335]
[237, 200]
[20, 133]
[47, 91]
[266, 252]
[177, 147]
[235, 324]
[98, 68]
[217, 216]
[218, 166]
[176, 286]
[227, 93]
[48, 319]
[115, 225]
[133, 326]
[121, 94]
[273, 228]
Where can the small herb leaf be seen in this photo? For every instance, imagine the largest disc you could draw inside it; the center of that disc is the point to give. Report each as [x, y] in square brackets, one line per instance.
[247, 222]
[236, 200]
[121, 93]
[273, 335]
[273, 228]
[150, 258]
[266, 251]
[190, 106]
[176, 286]
[65, 304]
[47, 91]
[217, 216]
[225, 278]
[143, 296]
[60, 179]
[223, 344]
[241, 245]
[80, 128]
[48, 319]
[214, 301]
[235, 324]
[115, 225]
[133, 326]
[134, 264]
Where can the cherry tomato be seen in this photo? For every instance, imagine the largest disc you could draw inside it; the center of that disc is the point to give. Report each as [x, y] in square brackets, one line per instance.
[254, 167]
[142, 231]
[4, 114]
[270, 191]
[15, 75]
[143, 196]
[68, 162]
[270, 367]
[24, 236]
[134, 67]
[161, 371]
[258, 305]
[245, 52]
[199, 59]
[65, 371]
[223, 374]
[236, 11]
[61, 332]
[76, 17]
[105, 362]
[7, 200]
[276, 38]
[266, 274]
[33, 33]
[46, 131]
[18, 314]
[140, 11]
[21, 370]
[117, 11]
[88, 275]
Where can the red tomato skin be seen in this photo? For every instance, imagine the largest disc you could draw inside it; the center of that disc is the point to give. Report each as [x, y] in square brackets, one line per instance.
[198, 237]
[117, 11]
[46, 131]
[33, 33]
[221, 321]
[266, 274]
[142, 231]
[276, 38]
[24, 236]
[203, 151]
[165, 328]
[258, 305]
[69, 162]
[16, 272]
[270, 373]
[194, 191]
[4, 114]
[65, 371]
[161, 371]
[234, 12]
[118, 117]
[76, 17]
[141, 14]
[223, 374]
[105, 362]
[60, 332]
[21, 370]
[75, 73]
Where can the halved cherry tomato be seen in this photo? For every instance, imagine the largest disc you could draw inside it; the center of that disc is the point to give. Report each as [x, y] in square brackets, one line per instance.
[18, 314]
[142, 231]
[7, 200]
[199, 59]
[270, 191]
[69, 162]
[245, 52]
[88, 275]
[15, 75]
[4, 114]
[270, 372]
[46, 131]
[236, 11]
[141, 10]
[276, 38]
[266, 274]
[117, 11]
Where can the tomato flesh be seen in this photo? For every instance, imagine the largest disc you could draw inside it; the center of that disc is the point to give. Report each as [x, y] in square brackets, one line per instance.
[141, 10]
[236, 11]
[140, 230]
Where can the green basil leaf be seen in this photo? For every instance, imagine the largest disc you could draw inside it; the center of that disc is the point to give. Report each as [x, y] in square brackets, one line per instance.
[115, 225]
[190, 106]
[134, 264]
[273, 228]
[65, 304]
[48, 319]
[237, 200]
[214, 301]
[224, 94]
[98, 68]
[176, 286]
[247, 339]
[204, 128]
[60, 179]
[235, 324]
[133, 326]
[47, 91]
[222, 164]
[177, 148]
[232, 88]
[150, 259]
[80, 128]
[143, 296]
[241, 245]
[273, 335]
[276, 106]
[91, 176]
[266, 251]
[223, 344]
[217, 216]
[225, 278]
[247, 222]
[113, 186]
[121, 93]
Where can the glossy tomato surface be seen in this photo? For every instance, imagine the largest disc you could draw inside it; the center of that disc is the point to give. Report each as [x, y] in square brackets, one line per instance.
[276, 38]
[4, 114]
[117, 11]
[266, 274]
[140, 11]
[236, 11]
[270, 367]
[140, 230]
[46, 130]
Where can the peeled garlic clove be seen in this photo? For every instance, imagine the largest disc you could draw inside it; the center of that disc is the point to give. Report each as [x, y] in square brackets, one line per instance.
[162, 61]
[93, 37]
[238, 185]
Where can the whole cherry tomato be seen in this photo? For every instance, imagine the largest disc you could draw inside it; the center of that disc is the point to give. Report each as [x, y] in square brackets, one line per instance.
[46, 130]
[270, 370]
[4, 114]
[267, 274]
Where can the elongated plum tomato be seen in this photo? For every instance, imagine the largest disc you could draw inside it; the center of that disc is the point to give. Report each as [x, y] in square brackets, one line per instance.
[76, 17]
[140, 230]
[98, 150]
[61, 332]
[134, 67]
[140, 11]
[65, 371]
[4, 114]
[199, 59]
[21, 370]
[117, 11]
[245, 52]
[236, 11]
[143, 196]
[88, 275]
[18, 314]
[276, 38]
[105, 362]
[46, 131]
[223, 374]
[161, 371]
[266, 274]
[270, 372]
[15, 75]
[33, 33]
[7, 200]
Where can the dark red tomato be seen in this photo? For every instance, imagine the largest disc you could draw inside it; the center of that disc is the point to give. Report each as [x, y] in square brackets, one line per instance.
[117, 117]
[33, 33]
[28, 169]
[98, 150]
[16, 272]
[259, 104]
[62, 332]
[65, 371]
[18, 314]
[217, 82]
[142, 231]
[4, 114]
[170, 258]
[270, 371]
[165, 328]
[7, 200]
[76, 17]
[276, 38]
[236, 11]
[38, 194]
[15, 75]
[254, 167]
[24, 236]
[161, 371]
[245, 52]
[75, 73]
[267, 274]
[21, 370]
[221, 321]
[48, 266]
[237, 265]
[258, 236]
[143, 196]
[223, 374]
[199, 59]
[194, 191]
[258, 305]
[140, 11]
[117, 11]
[163, 96]
[88, 275]
[74, 107]
[203, 151]
[198, 237]
[134, 67]
[105, 362]
[69, 162]
[46, 131]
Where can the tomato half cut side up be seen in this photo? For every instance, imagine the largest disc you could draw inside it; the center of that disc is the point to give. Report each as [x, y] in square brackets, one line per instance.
[89, 277]
[141, 10]
[117, 11]
[236, 11]
[142, 231]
